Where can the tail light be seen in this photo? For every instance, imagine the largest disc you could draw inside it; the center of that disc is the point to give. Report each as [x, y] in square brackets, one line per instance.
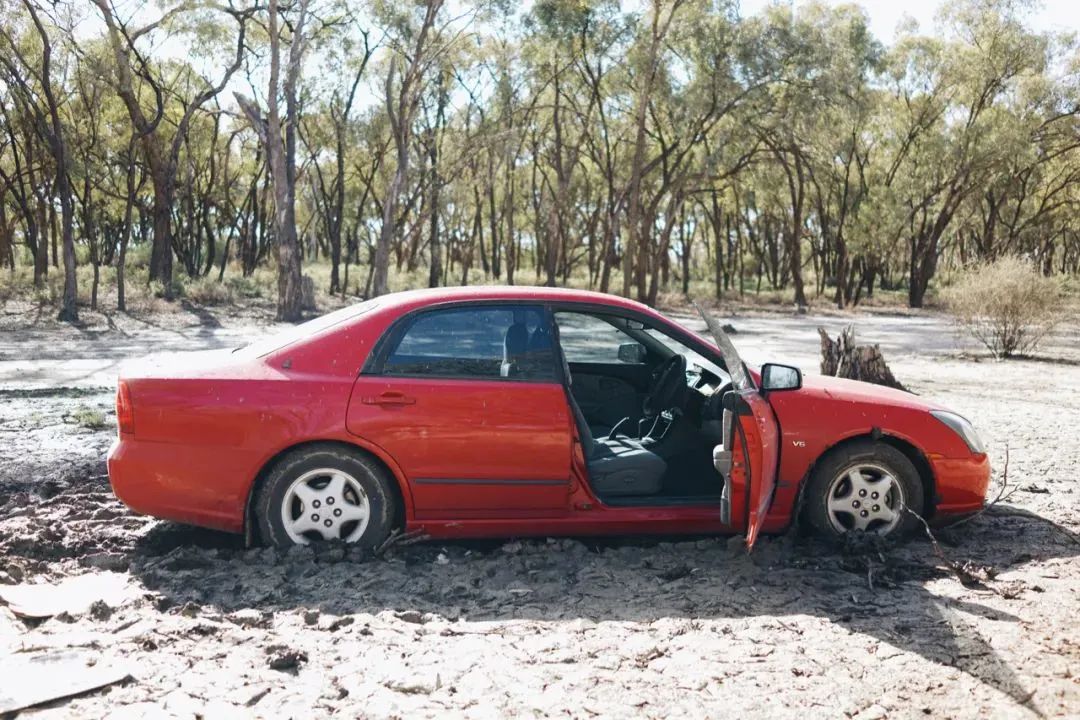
[125, 412]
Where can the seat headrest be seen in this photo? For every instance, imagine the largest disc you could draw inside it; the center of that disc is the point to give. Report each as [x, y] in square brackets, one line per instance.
[516, 342]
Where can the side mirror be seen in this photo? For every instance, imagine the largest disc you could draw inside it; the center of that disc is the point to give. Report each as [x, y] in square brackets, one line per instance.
[780, 377]
[632, 353]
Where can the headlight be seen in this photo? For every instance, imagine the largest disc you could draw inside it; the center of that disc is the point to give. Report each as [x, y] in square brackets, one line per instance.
[962, 427]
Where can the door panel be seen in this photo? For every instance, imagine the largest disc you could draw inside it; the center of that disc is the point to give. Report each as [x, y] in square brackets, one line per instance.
[762, 447]
[757, 427]
[470, 448]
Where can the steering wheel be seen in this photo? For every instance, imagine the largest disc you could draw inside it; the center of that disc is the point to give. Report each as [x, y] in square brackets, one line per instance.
[667, 387]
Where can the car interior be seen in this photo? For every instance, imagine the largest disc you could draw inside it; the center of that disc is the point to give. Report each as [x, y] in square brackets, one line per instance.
[648, 409]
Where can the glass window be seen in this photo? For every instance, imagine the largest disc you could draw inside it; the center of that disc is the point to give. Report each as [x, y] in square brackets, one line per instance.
[482, 342]
[589, 339]
[692, 357]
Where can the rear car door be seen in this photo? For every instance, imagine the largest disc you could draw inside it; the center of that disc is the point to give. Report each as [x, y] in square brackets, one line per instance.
[467, 401]
[751, 434]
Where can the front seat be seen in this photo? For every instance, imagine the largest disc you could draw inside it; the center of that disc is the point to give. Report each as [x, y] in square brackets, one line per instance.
[618, 466]
[515, 350]
[541, 341]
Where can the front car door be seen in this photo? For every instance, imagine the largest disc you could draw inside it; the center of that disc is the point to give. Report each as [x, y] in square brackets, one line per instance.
[751, 426]
[607, 387]
[467, 400]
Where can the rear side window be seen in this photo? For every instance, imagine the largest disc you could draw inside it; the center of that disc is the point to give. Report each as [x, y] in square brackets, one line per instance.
[483, 342]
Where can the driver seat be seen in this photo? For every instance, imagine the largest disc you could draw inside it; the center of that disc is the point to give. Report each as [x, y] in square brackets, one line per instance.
[618, 466]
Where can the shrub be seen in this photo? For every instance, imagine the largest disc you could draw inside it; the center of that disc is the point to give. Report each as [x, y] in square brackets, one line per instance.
[208, 291]
[1007, 305]
[89, 418]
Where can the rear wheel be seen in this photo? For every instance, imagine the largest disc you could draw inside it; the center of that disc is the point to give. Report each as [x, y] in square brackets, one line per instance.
[866, 486]
[325, 493]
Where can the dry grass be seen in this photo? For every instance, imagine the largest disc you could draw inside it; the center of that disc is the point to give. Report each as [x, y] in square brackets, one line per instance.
[1007, 305]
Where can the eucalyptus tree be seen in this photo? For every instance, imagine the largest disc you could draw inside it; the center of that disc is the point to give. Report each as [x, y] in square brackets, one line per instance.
[416, 39]
[32, 85]
[159, 125]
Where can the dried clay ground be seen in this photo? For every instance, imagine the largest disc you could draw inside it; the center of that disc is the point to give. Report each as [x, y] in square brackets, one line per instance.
[635, 627]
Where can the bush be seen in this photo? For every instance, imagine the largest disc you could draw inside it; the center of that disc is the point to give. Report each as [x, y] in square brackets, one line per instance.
[1007, 305]
[208, 291]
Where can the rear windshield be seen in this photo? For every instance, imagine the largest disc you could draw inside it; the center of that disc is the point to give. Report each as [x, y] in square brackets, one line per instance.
[289, 335]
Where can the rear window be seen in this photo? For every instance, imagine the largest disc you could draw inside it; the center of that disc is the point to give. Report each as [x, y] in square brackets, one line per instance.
[288, 336]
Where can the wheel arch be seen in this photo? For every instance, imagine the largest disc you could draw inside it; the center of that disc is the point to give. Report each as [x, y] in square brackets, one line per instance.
[910, 450]
[401, 495]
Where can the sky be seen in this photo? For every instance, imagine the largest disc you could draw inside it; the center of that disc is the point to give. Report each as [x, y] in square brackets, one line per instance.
[885, 15]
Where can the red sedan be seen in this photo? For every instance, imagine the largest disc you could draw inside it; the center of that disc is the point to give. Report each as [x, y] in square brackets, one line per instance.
[496, 411]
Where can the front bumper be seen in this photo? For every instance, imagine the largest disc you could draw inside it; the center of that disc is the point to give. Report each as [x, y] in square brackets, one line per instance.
[960, 484]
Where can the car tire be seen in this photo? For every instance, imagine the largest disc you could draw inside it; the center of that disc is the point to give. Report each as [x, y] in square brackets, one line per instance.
[846, 492]
[333, 494]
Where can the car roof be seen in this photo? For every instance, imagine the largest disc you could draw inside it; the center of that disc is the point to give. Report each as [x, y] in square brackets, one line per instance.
[411, 299]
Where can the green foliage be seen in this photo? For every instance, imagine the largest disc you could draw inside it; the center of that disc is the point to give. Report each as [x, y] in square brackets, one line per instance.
[742, 155]
[89, 418]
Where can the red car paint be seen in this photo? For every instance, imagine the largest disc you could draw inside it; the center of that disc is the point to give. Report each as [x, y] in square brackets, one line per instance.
[200, 429]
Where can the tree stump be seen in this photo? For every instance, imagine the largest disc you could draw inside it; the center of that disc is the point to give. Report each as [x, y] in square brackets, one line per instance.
[844, 358]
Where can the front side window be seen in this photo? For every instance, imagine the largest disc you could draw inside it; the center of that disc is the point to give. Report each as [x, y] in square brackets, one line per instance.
[476, 342]
[589, 339]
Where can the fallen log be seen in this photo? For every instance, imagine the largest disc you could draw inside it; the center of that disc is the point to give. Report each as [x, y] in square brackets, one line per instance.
[844, 358]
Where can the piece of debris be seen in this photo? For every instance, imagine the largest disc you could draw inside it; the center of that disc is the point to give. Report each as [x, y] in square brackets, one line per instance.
[73, 596]
[30, 681]
[676, 573]
[100, 610]
[1036, 489]
[254, 699]
[283, 658]
[845, 359]
[410, 616]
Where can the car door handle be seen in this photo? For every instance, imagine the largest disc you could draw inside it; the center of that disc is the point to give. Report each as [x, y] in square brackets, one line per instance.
[392, 399]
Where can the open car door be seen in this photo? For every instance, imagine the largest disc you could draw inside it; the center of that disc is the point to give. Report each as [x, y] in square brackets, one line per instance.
[749, 421]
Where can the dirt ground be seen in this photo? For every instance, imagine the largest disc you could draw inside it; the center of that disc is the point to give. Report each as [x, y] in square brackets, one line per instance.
[547, 628]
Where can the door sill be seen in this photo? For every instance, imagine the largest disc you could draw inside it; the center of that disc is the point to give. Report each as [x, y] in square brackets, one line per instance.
[662, 501]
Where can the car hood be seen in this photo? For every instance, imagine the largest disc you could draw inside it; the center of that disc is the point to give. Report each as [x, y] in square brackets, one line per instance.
[843, 390]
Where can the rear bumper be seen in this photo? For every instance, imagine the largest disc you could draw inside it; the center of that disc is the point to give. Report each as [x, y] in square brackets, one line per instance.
[176, 482]
[961, 484]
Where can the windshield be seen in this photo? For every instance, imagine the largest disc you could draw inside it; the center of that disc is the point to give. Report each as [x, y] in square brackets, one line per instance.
[692, 356]
[289, 335]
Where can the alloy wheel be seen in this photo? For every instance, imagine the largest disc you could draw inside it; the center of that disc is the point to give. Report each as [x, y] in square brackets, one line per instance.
[325, 504]
[865, 497]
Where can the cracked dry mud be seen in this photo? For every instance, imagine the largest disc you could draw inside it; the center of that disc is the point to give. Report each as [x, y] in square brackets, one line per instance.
[552, 628]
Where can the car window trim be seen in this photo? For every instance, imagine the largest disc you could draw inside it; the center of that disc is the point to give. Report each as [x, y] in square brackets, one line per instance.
[391, 338]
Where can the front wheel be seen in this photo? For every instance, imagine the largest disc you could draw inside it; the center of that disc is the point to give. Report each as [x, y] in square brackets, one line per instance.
[865, 486]
[325, 493]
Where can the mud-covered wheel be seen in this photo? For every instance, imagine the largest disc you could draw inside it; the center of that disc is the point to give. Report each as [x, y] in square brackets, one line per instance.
[325, 493]
[864, 486]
